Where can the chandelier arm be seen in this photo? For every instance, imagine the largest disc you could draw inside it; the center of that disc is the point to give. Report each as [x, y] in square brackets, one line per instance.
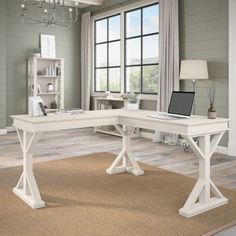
[49, 13]
[33, 19]
[47, 23]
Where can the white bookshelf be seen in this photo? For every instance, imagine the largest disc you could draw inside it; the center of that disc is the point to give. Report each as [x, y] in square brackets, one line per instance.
[42, 71]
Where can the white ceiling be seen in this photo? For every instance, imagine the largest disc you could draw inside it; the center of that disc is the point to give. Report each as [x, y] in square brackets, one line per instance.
[88, 2]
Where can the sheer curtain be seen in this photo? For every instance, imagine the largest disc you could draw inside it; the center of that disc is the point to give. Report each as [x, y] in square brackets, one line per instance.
[169, 60]
[85, 60]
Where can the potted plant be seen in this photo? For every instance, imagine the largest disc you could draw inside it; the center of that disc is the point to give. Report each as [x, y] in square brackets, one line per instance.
[125, 97]
[36, 52]
[133, 102]
[211, 110]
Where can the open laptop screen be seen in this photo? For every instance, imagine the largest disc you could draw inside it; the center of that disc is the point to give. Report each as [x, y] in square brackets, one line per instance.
[181, 103]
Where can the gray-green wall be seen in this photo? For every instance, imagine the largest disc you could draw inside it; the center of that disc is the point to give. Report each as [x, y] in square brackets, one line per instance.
[15, 41]
[204, 35]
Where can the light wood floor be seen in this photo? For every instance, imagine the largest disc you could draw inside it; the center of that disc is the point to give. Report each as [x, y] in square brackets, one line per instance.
[75, 143]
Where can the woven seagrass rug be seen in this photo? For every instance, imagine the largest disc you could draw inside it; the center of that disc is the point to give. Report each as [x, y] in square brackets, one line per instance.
[81, 199]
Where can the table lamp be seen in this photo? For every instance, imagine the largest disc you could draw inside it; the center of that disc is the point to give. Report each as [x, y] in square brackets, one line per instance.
[193, 70]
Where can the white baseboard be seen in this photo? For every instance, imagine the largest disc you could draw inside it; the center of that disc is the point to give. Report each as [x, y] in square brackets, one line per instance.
[232, 148]
[222, 150]
[219, 149]
[11, 129]
[3, 131]
[8, 129]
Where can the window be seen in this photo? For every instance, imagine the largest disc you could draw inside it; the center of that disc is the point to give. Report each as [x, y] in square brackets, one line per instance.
[127, 51]
[107, 55]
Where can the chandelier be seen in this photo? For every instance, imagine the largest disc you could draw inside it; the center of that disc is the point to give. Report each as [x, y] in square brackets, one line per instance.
[49, 12]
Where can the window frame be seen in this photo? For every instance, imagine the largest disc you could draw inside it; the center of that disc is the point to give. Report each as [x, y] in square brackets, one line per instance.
[117, 11]
[107, 42]
[141, 36]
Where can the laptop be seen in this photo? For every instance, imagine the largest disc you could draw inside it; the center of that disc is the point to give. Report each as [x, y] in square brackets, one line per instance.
[180, 106]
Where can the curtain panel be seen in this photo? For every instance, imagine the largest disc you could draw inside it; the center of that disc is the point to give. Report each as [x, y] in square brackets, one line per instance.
[85, 60]
[169, 60]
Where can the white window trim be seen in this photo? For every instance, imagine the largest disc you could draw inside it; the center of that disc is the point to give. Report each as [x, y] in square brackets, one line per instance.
[120, 11]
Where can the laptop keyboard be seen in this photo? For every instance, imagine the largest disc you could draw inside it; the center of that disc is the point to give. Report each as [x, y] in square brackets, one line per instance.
[163, 117]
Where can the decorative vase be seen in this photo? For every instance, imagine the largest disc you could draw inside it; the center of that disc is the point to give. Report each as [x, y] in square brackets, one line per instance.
[36, 55]
[132, 106]
[50, 87]
[107, 94]
[211, 112]
[53, 105]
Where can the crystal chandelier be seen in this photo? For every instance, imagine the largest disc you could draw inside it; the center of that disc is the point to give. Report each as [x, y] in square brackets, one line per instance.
[49, 12]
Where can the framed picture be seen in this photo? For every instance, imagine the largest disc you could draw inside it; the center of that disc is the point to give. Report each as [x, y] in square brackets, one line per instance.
[48, 45]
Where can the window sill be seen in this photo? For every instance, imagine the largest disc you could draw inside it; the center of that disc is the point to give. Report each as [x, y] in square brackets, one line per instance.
[150, 97]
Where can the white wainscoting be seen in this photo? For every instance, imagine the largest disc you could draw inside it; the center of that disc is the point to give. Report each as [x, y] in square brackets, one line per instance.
[232, 78]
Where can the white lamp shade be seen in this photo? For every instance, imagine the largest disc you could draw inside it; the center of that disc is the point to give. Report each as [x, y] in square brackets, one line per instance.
[193, 69]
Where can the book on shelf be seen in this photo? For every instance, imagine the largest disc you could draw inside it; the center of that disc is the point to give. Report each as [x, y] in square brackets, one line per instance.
[50, 71]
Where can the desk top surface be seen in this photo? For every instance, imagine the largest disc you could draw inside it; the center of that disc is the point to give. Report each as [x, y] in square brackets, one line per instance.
[140, 115]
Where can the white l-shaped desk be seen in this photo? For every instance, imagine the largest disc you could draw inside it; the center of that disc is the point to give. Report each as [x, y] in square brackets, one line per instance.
[210, 132]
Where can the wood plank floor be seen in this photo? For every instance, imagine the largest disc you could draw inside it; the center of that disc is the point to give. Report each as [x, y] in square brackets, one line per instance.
[79, 142]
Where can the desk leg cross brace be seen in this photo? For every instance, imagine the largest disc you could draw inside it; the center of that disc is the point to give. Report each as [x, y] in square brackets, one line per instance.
[128, 163]
[201, 200]
[26, 187]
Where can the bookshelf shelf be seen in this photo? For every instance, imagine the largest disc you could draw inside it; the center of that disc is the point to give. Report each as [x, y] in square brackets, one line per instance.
[51, 93]
[41, 73]
[47, 77]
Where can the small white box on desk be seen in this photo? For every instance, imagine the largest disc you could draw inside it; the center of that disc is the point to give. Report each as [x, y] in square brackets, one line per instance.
[33, 106]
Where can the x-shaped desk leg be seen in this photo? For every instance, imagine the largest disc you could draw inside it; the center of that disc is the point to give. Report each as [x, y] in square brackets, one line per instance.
[26, 187]
[201, 199]
[125, 157]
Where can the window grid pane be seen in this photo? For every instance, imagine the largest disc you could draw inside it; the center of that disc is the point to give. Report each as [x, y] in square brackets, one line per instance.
[114, 54]
[101, 80]
[114, 80]
[151, 19]
[150, 79]
[133, 79]
[133, 51]
[101, 57]
[151, 49]
[101, 31]
[133, 23]
[114, 28]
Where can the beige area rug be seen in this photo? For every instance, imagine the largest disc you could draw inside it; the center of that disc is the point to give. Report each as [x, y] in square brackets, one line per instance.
[82, 200]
